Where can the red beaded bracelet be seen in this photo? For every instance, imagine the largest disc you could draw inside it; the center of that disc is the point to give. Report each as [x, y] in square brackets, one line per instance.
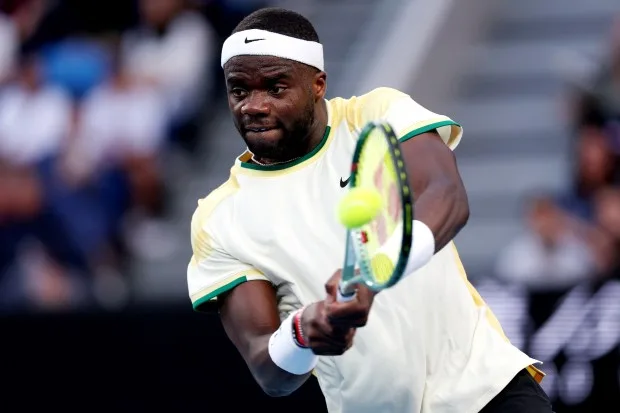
[298, 334]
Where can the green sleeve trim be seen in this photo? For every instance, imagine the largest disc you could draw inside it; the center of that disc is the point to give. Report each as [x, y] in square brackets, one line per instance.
[427, 128]
[204, 300]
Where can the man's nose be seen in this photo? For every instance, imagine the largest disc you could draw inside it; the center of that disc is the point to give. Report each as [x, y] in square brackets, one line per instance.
[255, 104]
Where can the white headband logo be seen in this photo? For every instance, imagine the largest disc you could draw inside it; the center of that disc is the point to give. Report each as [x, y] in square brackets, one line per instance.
[255, 42]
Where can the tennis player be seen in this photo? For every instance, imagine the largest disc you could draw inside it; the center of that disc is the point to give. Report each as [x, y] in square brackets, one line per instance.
[267, 246]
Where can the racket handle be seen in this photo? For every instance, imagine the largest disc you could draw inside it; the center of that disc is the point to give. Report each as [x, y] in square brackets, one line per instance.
[344, 297]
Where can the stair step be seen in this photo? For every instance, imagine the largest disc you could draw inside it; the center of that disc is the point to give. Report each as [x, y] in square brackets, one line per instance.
[506, 206]
[511, 144]
[482, 241]
[496, 116]
[479, 86]
[514, 175]
[550, 9]
[531, 57]
[562, 28]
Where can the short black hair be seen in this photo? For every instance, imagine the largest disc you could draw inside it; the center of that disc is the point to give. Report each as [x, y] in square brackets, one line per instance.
[281, 21]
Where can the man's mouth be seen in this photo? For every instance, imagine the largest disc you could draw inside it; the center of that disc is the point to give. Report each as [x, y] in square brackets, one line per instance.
[258, 130]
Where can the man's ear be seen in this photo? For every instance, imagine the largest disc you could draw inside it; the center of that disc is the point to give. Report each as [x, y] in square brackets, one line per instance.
[319, 85]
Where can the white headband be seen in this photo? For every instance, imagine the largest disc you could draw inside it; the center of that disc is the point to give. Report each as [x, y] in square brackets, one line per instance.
[257, 42]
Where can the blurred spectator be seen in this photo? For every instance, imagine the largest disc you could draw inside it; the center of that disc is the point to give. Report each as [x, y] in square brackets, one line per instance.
[605, 89]
[36, 250]
[607, 210]
[83, 136]
[172, 50]
[576, 237]
[18, 21]
[129, 149]
[35, 117]
[595, 168]
[599, 101]
[549, 254]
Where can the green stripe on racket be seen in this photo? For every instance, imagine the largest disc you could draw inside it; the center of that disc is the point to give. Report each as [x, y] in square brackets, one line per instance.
[377, 212]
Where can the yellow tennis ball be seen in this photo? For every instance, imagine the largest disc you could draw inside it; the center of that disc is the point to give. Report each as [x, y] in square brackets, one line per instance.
[359, 206]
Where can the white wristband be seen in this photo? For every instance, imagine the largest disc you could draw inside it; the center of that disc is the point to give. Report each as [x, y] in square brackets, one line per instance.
[286, 354]
[422, 248]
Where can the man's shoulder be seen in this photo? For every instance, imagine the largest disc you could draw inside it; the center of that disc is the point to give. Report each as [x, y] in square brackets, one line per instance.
[371, 97]
[208, 205]
[359, 109]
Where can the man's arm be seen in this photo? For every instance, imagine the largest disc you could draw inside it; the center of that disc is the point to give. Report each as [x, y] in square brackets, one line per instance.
[440, 197]
[440, 204]
[279, 354]
[249, 314]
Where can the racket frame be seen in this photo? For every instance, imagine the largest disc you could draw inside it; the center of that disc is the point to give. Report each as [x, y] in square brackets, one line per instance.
[356, 254]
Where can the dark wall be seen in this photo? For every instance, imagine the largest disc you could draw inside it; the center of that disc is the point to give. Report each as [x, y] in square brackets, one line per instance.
[171, 359]
[176, 360]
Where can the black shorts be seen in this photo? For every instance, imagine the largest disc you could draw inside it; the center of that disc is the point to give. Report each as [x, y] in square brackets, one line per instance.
[522, 395]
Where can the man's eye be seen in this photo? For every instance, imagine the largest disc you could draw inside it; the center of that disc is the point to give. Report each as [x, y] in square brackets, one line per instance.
[238, 92]
[276, 90]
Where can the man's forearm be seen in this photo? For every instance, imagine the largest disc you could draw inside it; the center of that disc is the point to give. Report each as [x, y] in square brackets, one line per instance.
[273, 380]
[440, 199]
[444, 208]
[250, 318]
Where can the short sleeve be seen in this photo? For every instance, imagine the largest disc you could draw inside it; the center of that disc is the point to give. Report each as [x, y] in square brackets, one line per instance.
[405, 115]
[212, 270]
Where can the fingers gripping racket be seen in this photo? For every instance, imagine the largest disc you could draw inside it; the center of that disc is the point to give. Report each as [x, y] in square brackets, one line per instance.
[378, 213]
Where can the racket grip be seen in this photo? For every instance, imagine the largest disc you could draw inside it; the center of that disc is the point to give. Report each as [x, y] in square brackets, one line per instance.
[344, 297]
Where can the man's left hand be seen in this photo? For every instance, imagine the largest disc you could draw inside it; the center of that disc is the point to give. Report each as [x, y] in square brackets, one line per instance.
[353, 313]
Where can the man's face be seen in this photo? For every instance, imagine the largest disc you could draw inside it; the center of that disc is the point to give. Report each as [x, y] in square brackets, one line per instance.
[273, 103]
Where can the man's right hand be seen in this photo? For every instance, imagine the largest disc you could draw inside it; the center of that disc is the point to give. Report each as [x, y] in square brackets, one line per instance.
[324, 338]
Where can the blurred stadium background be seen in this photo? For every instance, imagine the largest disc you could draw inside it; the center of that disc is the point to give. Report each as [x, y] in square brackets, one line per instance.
[113, 124]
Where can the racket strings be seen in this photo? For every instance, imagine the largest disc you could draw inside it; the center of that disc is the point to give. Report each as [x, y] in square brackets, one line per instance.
[376, 169]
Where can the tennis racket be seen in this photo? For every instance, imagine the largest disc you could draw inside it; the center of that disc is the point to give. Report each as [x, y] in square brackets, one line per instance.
[377, 252]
